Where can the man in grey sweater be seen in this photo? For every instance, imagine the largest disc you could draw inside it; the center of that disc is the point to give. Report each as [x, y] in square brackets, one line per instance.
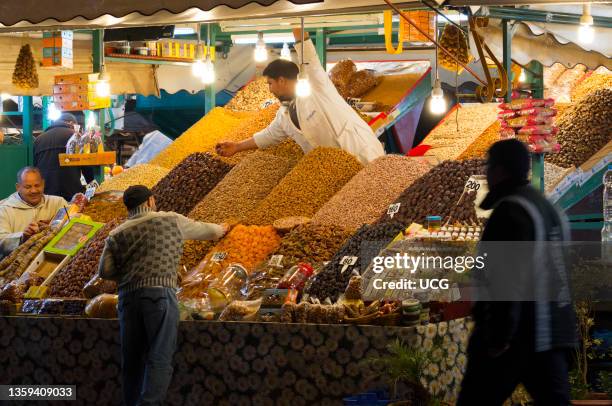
[142, 255]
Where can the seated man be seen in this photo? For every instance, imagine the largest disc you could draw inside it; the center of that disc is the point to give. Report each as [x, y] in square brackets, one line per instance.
[23, 213]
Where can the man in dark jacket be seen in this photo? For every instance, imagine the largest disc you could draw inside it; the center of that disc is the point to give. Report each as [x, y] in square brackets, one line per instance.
[64, 181]
[524, 320]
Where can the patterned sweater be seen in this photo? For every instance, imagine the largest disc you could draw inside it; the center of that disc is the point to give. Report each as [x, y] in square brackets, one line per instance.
[146, 249]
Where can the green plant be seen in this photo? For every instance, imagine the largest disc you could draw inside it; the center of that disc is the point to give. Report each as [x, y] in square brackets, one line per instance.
[585, 352]
[605, 382]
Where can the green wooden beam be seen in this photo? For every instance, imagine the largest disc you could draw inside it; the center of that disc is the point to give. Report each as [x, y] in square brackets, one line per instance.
[535, 77]
[28, 121]
[46, 100]
[522, 14]
[321, 43]
[507, 61]
[537, 171]
[97, 47]
[586, 225]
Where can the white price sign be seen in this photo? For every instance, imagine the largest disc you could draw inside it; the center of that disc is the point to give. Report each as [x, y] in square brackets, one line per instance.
[394, 209]
[218, 256]
[276, 260]
[347, 261]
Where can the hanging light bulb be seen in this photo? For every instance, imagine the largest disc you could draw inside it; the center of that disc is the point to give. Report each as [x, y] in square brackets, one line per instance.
[522, 76]
[208, 75]
[586, 33]
[261, 52]
[285, 52]
[437, 104]
[303, 89]
[4, 96]
[102, 85]
[53, 113]
[197, 67]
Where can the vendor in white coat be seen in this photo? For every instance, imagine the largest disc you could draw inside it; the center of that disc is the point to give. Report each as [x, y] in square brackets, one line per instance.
[26, 211]
[323, 119]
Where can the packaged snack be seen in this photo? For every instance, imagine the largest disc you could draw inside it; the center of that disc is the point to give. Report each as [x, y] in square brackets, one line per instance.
[523, 121]
[538, 130]
[506, 133]
[31, 306]
[507, 114]
[538, 111]
[519, 104]
[103, 307]
[73, 307]
[51, 306]
[241, 311]
[230, 285]
[296, 277]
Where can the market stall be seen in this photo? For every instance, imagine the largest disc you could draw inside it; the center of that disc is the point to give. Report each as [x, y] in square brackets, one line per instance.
[284, 309]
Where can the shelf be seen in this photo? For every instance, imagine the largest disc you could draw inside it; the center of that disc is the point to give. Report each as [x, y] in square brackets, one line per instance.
[147, 60]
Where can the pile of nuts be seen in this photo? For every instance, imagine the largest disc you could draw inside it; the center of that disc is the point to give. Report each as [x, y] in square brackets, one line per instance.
[311, 243]
[105, 207]
[288, 150]
[202, 136]
[562, 87]
[584, 129]
[341, 75]
[189, 182]
[459, 129]
[25, 75]
[314, 180]
[480, 147]
[455, 41]
[437, 192]
[143, 174]
[369, 193]
[391, 90]
[553, 174]
[71, 279]
[365, 244]
[254, 96]
[590, 84]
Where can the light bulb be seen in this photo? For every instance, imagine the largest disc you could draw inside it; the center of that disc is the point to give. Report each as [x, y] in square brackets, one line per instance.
[302, 88]
[102, 88]
[208, 74]
[285, 52]
[4, 96]
[522, 76]
[197, 68]
[261, 52]
[437, 105]
[586, 34]
[53, 113]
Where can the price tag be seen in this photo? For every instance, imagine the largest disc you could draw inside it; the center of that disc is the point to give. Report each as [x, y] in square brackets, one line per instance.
[90, 189]
[218, 256]
[346, 262]
[268, 103]
[479, 185]
[353, 101]
[276, 260]
[394, 209]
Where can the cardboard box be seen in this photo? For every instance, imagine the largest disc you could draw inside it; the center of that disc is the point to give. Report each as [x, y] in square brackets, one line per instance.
[63, 89]
[76, 79]
[76, 105]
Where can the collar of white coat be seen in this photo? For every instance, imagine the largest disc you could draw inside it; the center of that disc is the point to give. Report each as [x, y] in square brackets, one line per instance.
[15, 201]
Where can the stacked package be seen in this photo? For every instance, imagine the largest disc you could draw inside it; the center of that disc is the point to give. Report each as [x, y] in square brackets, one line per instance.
[531, 121]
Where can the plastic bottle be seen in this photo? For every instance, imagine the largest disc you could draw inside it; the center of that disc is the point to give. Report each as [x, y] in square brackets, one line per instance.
[606, 231]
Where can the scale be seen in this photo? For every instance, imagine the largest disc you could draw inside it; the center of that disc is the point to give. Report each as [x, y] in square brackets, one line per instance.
[58, 252]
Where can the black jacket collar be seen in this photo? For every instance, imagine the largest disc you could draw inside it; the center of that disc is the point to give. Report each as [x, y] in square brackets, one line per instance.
[502, 190]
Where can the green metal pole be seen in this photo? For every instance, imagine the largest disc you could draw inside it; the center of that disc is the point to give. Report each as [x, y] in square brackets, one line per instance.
[537, 171]
[507, 62]
[46, 100]
[28, 119]
[209, 93]
[97, 47]
[535, 77]
[321, 39]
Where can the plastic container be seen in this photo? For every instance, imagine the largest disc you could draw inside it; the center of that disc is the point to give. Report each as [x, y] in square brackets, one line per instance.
[296, 277]
[144, 51]
[230, 285]
[434, 223]
[606, 231]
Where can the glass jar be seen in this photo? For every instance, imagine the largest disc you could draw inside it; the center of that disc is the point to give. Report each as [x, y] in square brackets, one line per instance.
[231, 284]
[296, 277]
[434, 223]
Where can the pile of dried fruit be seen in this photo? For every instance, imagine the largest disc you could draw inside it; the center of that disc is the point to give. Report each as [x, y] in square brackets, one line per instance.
[369, 193]
[202, 136]
[143, 174]
[341, 75]
[70, 281]
[240, 191]
[437, 192]
[314, 180]
[455, 41]
[15, 264]
[254, 96]
[312, 243]
[288, 150]
[480, 147]
[247, 245]
[105, 207]
[25, 75]
[365, 245]
[584, 129]
[464, 212]
[189, 182]
[594, 82]
[562, 87]
[459, 129]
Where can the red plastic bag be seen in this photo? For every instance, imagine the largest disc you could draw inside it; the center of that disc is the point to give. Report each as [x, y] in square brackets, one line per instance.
[506, 133]
[538, 130]
[538, 111]
[524, 121]
[505, 114]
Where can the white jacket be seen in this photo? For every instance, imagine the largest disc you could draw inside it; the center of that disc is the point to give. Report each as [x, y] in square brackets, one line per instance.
[16, 215]
[326, 120]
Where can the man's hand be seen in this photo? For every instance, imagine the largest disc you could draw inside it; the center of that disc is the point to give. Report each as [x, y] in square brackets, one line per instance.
[297, 34]
[30, 230]
[226, 228]
[227, 148]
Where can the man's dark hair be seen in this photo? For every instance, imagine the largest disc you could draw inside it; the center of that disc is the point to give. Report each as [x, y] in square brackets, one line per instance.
[25, 170]
[281, 68]
[511, 155]
[136, 195]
